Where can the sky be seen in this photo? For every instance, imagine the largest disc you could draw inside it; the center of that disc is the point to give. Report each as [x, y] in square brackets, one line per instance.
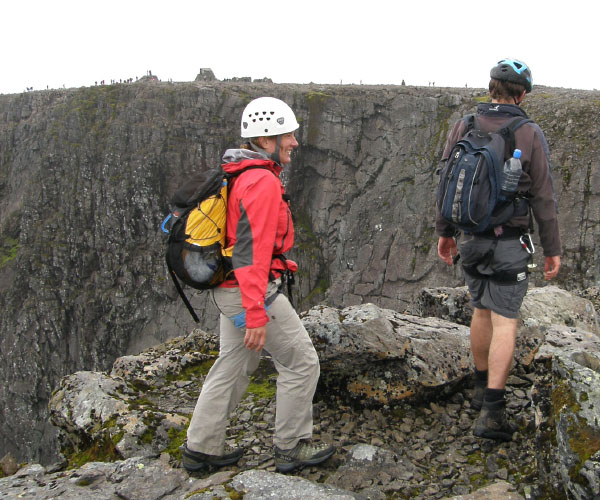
[56, 43]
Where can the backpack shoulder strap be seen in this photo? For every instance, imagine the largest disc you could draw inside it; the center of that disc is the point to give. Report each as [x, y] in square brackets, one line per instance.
[231, 177]
[508, 133]
[516, 122]
[469, 121]
[251, 167]
[182, 293]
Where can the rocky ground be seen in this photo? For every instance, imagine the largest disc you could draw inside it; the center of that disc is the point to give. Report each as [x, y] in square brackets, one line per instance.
[407, 452]
[435, 453]
[121, 431]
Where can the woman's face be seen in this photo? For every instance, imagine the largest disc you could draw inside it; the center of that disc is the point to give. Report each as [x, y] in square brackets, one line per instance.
[288, 144]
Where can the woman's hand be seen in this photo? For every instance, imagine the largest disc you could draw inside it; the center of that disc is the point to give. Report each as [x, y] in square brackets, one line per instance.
[255, 338]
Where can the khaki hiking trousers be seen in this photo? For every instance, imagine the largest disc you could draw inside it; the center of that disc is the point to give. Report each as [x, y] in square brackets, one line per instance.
[294, 357]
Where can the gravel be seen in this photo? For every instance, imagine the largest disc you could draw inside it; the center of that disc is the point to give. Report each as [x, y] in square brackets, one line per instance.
[433, 440]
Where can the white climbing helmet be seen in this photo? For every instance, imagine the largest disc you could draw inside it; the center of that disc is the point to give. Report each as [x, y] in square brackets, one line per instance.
[267, 116]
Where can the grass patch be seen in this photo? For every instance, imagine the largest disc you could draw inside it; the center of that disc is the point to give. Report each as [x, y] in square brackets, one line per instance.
[475, 458]
[151, 421]
[140, 403]
[478, 481]
[264, 389]
[141, 386]
[233, 494]
[318, 290]
[117, 438]
[148, 436]
[197, 492]
[585, 442]
[563, 397]
[98, 451]
[192, 372]
[177, 438]
[8, 251]
[110, 423]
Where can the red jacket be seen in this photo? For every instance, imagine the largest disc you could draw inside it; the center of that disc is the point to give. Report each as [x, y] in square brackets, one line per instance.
[259, 227]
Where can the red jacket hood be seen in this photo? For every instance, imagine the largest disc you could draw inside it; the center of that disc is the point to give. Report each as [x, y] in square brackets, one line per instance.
[235, 160]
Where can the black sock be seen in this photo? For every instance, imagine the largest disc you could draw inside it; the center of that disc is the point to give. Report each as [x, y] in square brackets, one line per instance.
[481, 377]
[493, 395]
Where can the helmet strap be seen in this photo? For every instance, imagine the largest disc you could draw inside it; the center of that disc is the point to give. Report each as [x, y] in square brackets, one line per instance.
[275, 155]
[271, 156]
[520, 100]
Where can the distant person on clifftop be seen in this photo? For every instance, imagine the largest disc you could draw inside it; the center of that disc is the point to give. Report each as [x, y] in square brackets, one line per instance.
[495, 263]
[254, 314]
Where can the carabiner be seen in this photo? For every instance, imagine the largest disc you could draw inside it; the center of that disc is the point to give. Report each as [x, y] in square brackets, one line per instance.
[527, 245]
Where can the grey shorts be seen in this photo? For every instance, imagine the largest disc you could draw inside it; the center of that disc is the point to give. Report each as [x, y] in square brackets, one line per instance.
[508, 255]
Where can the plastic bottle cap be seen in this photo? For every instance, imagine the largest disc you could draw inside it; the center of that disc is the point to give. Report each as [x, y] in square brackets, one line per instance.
[517, 153]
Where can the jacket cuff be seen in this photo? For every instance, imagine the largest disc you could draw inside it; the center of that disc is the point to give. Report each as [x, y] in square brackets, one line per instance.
[255, 318]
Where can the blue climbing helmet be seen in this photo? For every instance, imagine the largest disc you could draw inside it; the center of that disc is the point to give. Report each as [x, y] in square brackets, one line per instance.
[512, 70]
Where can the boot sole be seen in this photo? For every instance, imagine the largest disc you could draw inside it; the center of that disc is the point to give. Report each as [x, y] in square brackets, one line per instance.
[496, 435]
[288, 467]
[215, 463]
[195, 468]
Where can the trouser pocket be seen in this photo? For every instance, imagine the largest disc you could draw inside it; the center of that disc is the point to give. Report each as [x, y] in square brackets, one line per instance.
[229, 302]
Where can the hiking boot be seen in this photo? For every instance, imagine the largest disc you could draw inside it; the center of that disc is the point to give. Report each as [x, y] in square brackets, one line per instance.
[304, 453]
[478, 393]
[492, 423]
[194, 460]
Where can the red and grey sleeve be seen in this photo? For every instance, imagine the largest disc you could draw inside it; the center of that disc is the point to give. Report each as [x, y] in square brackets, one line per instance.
[255, 238]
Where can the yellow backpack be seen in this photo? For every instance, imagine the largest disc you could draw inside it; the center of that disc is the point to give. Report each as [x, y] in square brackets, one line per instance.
[196, 229]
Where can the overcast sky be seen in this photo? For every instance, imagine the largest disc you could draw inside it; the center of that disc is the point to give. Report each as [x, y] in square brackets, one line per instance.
[51, 43]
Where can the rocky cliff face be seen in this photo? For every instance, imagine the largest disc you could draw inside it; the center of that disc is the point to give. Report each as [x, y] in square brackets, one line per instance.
[86, 175]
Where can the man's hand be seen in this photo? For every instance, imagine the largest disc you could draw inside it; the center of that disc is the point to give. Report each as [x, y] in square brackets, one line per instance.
[447, 249]
[255, 338]
[551, 267]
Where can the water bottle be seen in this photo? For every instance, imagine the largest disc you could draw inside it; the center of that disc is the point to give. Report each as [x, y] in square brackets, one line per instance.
[511, 173]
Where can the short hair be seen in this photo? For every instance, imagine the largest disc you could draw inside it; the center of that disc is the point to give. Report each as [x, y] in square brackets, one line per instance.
[503, 89]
